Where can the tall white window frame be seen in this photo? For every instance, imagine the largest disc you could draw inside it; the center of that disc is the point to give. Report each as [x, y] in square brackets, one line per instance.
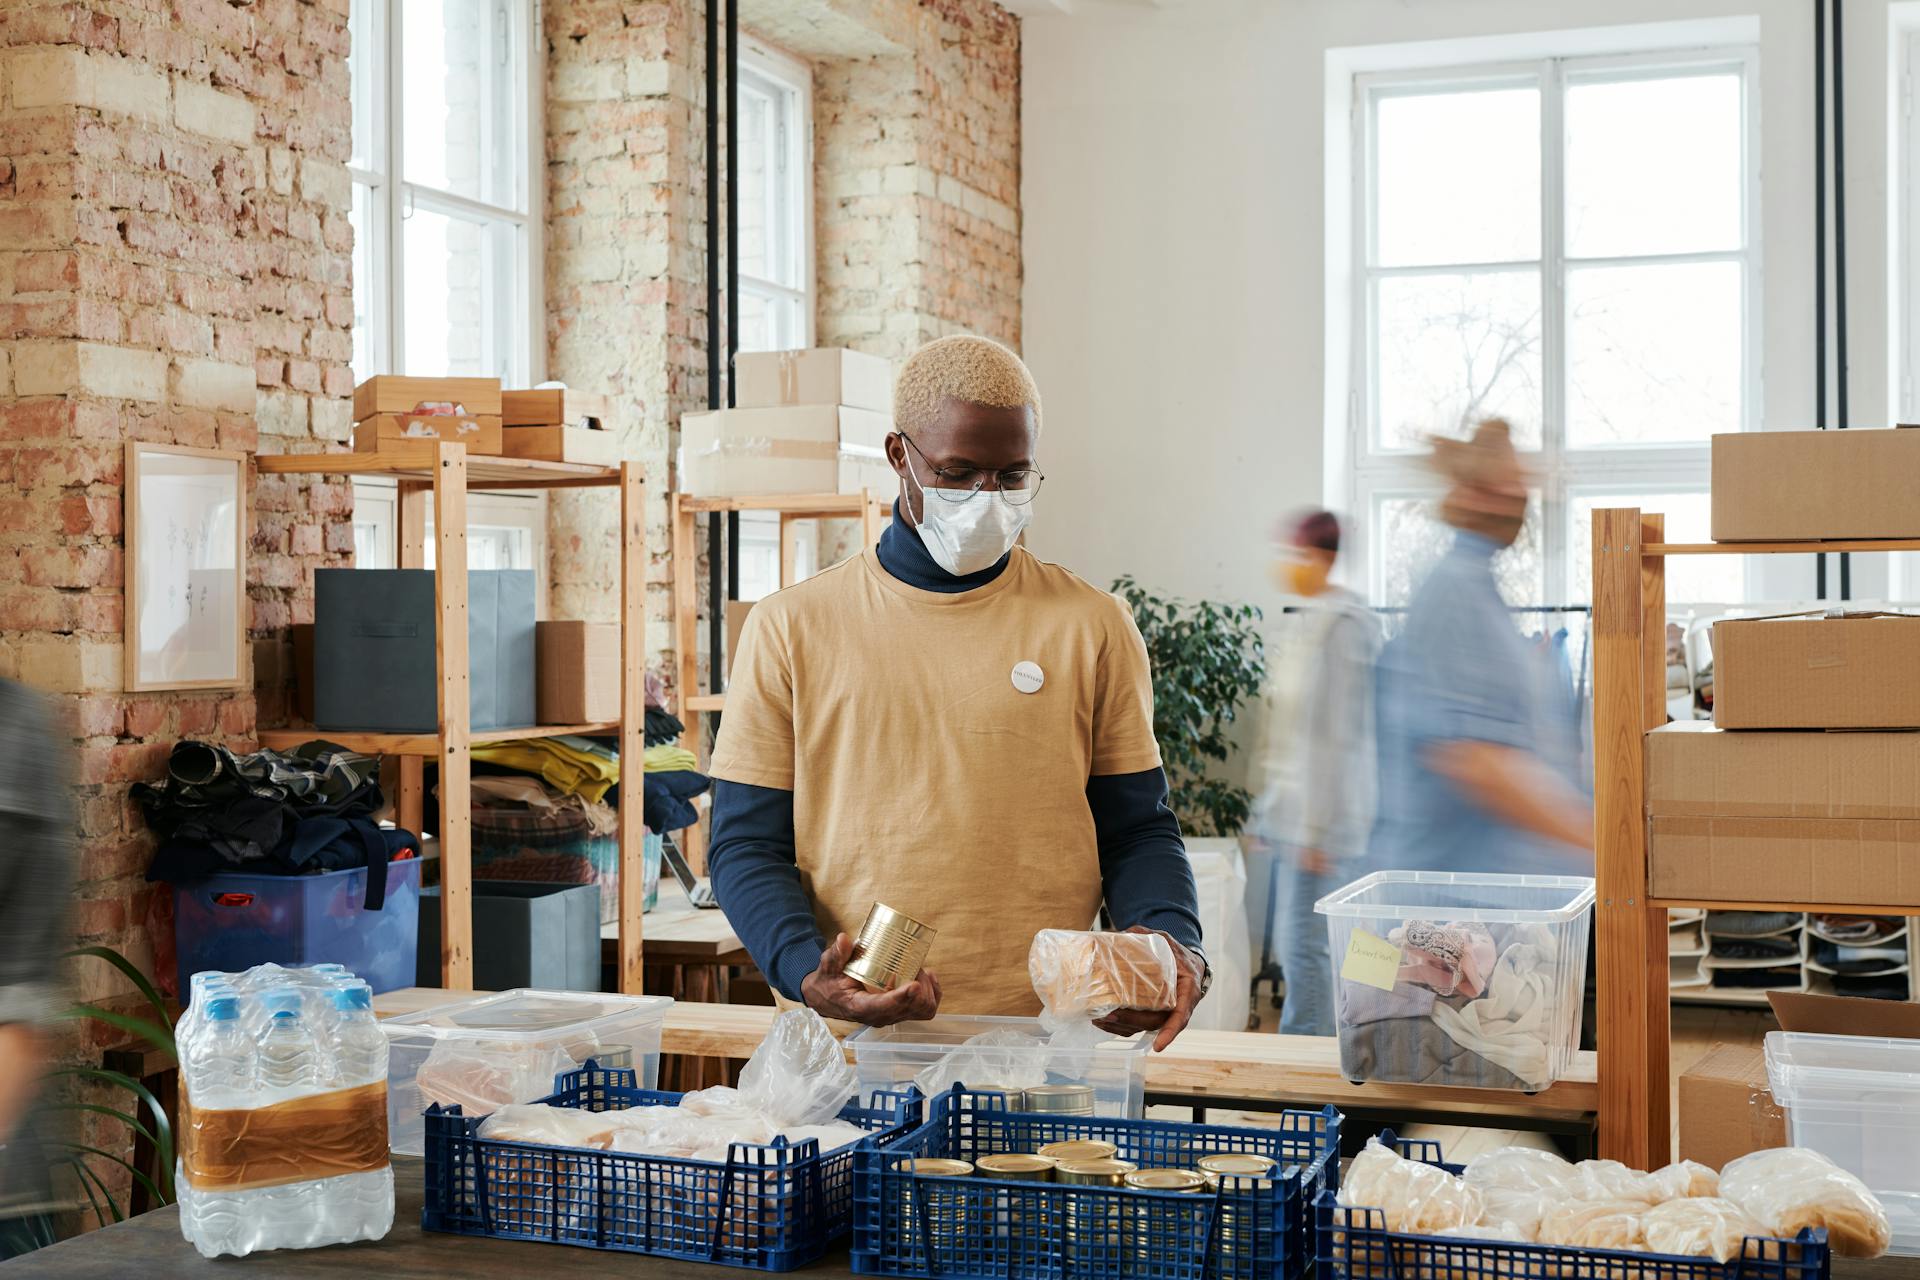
[777, 270]
[387, 194]
[1379, 474]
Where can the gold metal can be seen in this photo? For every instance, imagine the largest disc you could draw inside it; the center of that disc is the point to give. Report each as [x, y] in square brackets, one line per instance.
[1167, 1180]
[1059, 1099]
[1173, 1222]
[1098, 1228]
[1107, 1172]
[1013, 1093]
[1078, 1149]
[934, 1168]
[1235, 1164]
[942, 1205]
[890, 949]
[1242, 1172]
[1015, 1168]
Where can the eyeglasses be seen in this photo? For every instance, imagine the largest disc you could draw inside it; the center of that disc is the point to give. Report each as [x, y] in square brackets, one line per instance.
[957, 484]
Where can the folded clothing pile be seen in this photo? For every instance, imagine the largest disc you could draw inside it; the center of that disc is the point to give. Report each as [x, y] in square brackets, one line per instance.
[1535, 1197]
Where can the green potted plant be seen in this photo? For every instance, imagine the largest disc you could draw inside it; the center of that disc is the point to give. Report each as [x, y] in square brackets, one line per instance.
[1208, 660]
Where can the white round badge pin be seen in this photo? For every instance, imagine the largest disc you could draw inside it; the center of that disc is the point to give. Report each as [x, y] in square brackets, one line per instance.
[1028, 677]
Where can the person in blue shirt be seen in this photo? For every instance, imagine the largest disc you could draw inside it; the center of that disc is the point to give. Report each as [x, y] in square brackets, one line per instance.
[1478, 760]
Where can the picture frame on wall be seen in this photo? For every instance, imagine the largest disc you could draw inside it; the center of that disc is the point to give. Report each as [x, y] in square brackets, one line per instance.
[186, 568]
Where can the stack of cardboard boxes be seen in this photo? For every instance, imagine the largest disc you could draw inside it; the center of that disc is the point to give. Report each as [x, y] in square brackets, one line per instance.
[804, 422]
[389, 410]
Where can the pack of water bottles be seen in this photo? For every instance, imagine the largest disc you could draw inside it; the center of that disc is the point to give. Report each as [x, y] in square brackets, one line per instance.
[283, 1111]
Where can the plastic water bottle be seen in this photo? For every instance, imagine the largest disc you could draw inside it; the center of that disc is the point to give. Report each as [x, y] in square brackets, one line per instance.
[219, 1064]
[359, 1045]
[287, 1053]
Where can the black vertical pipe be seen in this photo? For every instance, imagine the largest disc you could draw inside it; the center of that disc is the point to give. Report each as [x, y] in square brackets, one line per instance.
[1820, 246]
[1840, 253]
[733, 191]
[716, 612]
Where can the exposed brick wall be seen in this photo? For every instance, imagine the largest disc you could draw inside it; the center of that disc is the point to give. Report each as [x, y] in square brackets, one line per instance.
[174, 251]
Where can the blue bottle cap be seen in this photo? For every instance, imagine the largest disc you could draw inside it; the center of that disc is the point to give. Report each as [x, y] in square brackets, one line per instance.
[283, 1001]
[223, 1009]
[329, 969]
[288, 1014]
[349, 998]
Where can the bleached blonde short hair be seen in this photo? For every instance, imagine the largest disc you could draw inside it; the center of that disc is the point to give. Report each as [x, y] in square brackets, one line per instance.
[965, 367]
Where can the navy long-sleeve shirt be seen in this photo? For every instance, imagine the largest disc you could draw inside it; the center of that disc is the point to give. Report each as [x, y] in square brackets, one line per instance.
[1143, 862]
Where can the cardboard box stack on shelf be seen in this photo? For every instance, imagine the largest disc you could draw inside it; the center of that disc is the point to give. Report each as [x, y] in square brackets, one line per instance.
[804, 422]
[559, 424]
[1790, 486]
[390, 409]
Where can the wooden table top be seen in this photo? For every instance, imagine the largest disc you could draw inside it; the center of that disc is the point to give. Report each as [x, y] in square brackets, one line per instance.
[677, 932]
[151, 1247]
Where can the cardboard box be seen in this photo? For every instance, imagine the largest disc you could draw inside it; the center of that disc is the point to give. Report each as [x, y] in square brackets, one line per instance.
[1696, 770]
[1794, 485]
[1726, 1110]
[734, 475]
[1817, 672]
[737, 611]
[1855, 861]
[562, 444]
[578, 665]
[823, 376]
[742, 453]
[480, 433]
[390, 393]
[860, 430]
[553, 407]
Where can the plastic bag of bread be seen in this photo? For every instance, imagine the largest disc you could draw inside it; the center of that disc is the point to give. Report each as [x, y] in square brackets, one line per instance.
[1596, 1224]
[1520, 1185]
[1086, 976]
[799, 1074]
[1686, 1180]
[1411, 1196]
[482, 1078]
[1704, 1228]
[546, 1126]
[1788, 1188]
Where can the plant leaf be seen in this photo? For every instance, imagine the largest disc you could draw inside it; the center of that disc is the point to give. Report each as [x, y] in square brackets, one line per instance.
[157, 1034]
[140, 980]
[138, 1176]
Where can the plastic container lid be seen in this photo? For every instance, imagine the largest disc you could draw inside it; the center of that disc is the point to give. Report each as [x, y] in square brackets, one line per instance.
[1462, 895]
[527, 1014]
[1854, 1071]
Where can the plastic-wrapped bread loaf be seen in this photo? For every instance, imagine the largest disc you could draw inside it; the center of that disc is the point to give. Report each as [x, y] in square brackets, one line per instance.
[1686, 1180]
[1520, 1185]
[1704, 1227]
[1788, 1188]
[1411, 1196]
[1596, 1224]
[1089, 975]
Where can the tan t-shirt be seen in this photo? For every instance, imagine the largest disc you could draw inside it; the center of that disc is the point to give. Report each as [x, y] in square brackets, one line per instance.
[921, 777]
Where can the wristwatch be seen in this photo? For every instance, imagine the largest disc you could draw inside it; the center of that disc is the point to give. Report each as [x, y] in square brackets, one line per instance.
[1206, 972]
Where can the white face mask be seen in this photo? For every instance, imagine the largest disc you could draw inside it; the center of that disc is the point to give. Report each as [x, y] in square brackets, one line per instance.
[966, 537]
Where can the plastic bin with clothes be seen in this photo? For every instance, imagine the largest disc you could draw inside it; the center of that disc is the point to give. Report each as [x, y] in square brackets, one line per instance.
[1475, 980]
[1856, 1100]
[491, 1051]
[525, 830]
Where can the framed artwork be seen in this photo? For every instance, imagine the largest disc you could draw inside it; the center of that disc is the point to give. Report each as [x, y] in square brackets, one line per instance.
[186, 533]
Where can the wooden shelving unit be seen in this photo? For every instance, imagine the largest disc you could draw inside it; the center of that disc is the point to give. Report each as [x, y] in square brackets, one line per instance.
[870, 511]
[443, 473]
[1629, 684]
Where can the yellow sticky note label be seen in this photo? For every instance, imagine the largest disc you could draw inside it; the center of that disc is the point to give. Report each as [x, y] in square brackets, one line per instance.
[1372, 961]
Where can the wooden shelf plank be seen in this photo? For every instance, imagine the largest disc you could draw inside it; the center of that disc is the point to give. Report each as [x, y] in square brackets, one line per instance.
[799, 505]
[1823, 908]
[707, 702]
[422, 744]
[415, 461]
[1778, 548]
[1746, 998]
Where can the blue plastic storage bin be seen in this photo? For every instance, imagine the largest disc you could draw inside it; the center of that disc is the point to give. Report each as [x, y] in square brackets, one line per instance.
[231, 922]
[772, 1208]
[910, 1225]
[1355, 1245]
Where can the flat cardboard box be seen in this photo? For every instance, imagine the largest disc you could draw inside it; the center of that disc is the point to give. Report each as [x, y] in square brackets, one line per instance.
[1846, 1015]
[1726, 1109]
[562, 444]
[1697, 770]
[745, 453]
[1817, 672]
[480, 433]
[767, 429]
[1795, 485]
[1844, 861]
[390, 393]
[718, 475]
[822, 376]
[553, 407]
[577, 667]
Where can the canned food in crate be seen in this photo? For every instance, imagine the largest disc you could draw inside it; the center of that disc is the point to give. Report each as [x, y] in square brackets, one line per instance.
[1059, 1099]
[1012, 1092]
[1078, 1149]
[1166, 1180]
[1107, 1172]
[1185, 1181]
[1232, 1172]
[1015, 1168]
[1019, 1213]
[942, 1205]
[890, 948]
[1098, 1228]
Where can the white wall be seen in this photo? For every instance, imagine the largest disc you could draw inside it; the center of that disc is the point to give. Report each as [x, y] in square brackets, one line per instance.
[1174, 247]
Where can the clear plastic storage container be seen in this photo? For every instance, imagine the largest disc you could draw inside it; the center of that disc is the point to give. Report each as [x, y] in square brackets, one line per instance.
[1856, 1100]
[1005, 1054]
[488, 1051]
[1469, 979]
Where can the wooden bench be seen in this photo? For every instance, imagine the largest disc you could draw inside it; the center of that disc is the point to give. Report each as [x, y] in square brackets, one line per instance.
[1234, 1070]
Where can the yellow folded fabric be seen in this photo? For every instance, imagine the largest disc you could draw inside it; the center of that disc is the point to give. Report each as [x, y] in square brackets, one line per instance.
[571, 771]
[670, 757]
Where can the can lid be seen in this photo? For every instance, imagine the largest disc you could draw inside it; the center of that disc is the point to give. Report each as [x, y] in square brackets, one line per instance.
[1237, 1162]
[1105, 1168]
[931, 1168]
[1166, 1180]
[1079, 1149]
[1013, 1163]
[1059, 1090]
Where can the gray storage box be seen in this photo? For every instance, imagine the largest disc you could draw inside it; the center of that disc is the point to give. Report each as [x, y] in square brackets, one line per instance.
[373, 659]
[524, 935]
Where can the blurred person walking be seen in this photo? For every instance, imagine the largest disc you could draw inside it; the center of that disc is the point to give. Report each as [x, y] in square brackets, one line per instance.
[1479, 761]
[36, 886]
[1316, 801]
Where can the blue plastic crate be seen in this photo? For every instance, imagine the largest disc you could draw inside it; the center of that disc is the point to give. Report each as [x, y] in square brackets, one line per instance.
[772, 1208]
[907, 1225]
[1355, 1245]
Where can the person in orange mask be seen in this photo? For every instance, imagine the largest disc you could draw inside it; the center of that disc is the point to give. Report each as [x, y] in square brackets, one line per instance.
[1316, 800]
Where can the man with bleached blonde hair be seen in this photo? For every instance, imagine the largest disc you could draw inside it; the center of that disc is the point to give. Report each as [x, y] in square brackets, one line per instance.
[951, 726]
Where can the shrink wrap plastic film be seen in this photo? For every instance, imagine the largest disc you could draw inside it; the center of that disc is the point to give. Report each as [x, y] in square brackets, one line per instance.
[1083, 977]
[1413, 1197]
[1788, 1188]
[1706, 1227]
[480, 1077]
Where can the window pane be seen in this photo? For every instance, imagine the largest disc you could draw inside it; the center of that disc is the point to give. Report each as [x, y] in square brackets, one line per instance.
[1409, 537]
[464, 98]
[1453, 349]
[758, 323]
[461, 300]
[365, 288]
[1654, 166]
[1653, 353]
[758, 199]
[363, 72]
[1457, 177]
[1690, 579]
